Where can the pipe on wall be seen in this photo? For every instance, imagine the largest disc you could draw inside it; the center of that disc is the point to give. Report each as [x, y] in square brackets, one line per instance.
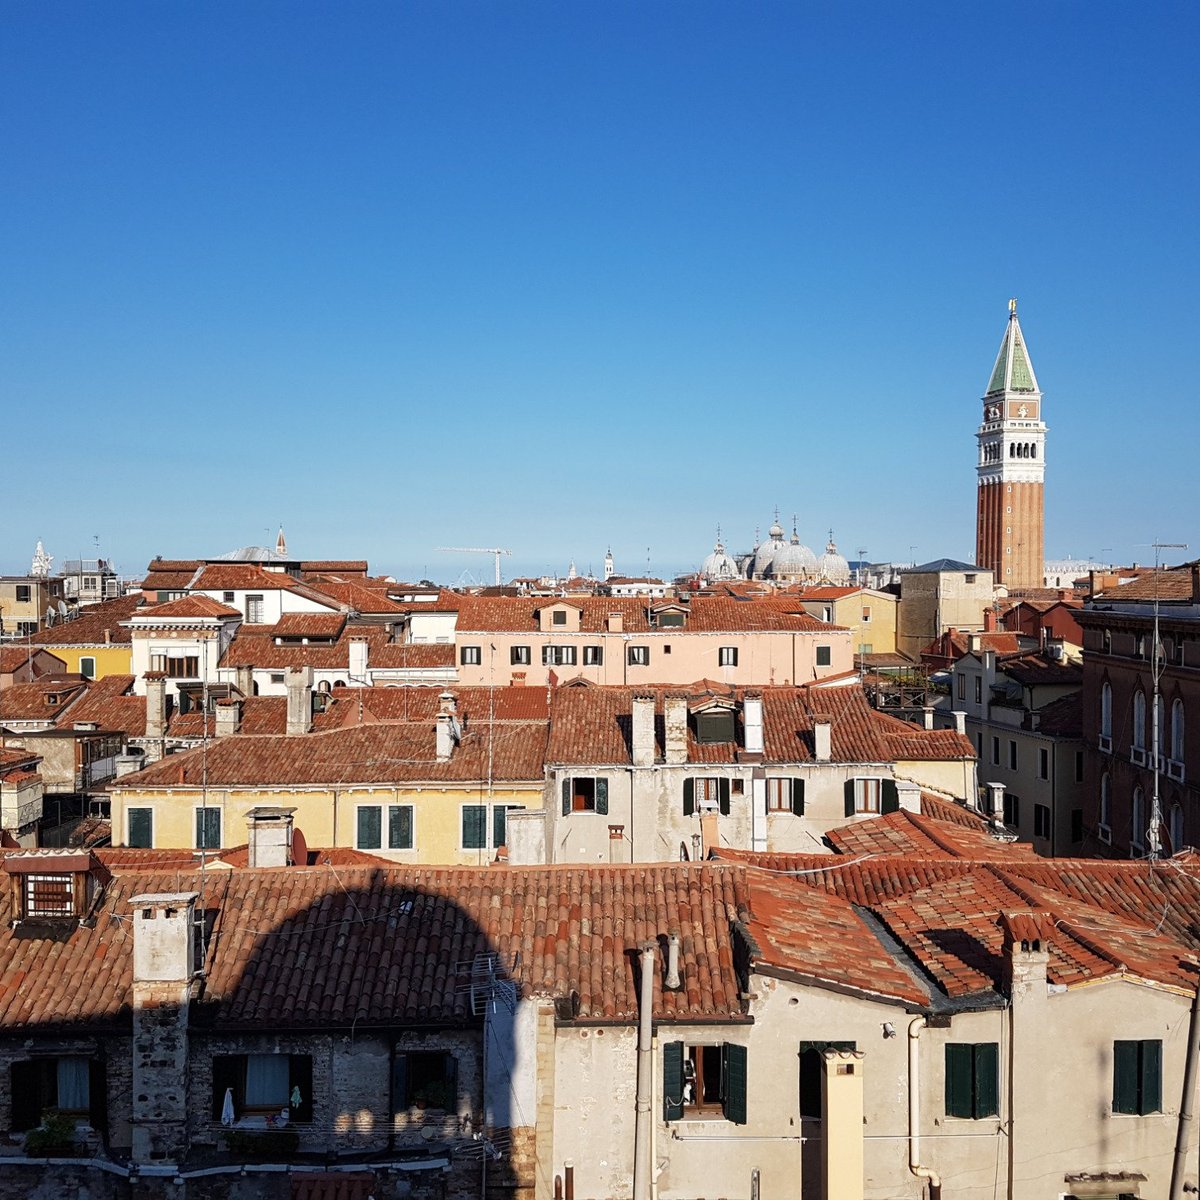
[1183, 1134]
[914, 1111]
[642, 1166]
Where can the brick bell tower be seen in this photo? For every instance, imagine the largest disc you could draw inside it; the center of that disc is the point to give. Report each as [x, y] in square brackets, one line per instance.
[1012, 465]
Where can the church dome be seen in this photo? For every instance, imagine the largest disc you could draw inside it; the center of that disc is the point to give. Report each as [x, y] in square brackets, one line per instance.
[832, 567]
[718, 567]
[793, 561]
[765, 552]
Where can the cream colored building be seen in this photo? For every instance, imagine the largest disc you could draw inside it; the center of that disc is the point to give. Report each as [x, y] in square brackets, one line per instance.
[939, 596]
[870, 615]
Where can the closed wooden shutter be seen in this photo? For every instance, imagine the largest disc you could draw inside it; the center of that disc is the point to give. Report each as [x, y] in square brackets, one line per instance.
[672, 1081]
[1125, 1077]
[141, 828]
[891, 800]
[849, 789]
[566, 797]
[734, 1076]
[399, 1082]
[1151, 1077]
[723, 796]
[689, 797]
[960, 1068]
[474, 826]
[400, 832]
[987, 1080]
[602, 796]
[798, 797]
[499, 825]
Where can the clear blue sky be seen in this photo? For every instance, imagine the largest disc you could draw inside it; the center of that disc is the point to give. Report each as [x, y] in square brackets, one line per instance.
[554, 276]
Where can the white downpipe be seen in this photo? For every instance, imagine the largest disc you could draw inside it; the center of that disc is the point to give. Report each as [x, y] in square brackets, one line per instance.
[914, 1108]
[655, 1170]
[642, 1166]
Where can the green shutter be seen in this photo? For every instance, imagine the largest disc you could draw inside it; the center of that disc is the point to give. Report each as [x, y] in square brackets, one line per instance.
[208, 829]
[474, 826]
[141, 828]
[672, 1081]
[891, 800]
[689, 797]
[400, 831]
[798, 797]
[300, 1080]
[602, 796]
[723, 796]
[368, 829]
[849, 797]
[566, 793]
[734, 1081]
[959, 1071]
[987, 1080]
[1125, 1077]
[1151, 1077]
[499, 825]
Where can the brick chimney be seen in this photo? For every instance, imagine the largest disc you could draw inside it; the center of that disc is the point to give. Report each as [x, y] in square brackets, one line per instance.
[244, 679]
[989, 620]
[752, 722]
[676, 722]
[299, 700]
[229, 717]
[270, 836]
[642, 721]
[164, 930]
[822, 738]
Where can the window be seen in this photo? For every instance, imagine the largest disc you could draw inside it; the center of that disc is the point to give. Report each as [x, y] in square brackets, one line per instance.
[670, 620]
[500, 824]
[1106, 641]
[638, 656]
[71, 1084]
[558, 656]
[866, 614]
[583, 793]
[208, 829]
[185, 667]
[255, 611]
[1012, 810]
[87, 666]
[49, 896]
[1012, 755]
[425, 1079]
[558, 617]
[1175, 828]
[1137, 1077]
[1043, 762]
[141, 828]
[827, 614]
[1105, 825]
[474, 826]
[968, 579]
[1106, 716]
[1041, 820]
[520, 656]
[978, 689]
[593, 656]
[227, 597]
[1177, 731]
[24, 593]
[962, 685]
[277, 677]
[1139, 720]
[716, 725]
[1137, 831]
[369, 831]
[972, 1080]
[824, 656]
[996, 751]
[727, 656]
[1076, 825]
[812, 1067]
[871, 796]
[705, 793]
[260, 1084]
[704, 1080]
[786, 795]
[1139, 645]
[470, 656]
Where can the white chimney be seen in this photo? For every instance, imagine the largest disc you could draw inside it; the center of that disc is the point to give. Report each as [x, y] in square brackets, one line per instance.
[960, 721]
[270, 836]
[927, 717]
[995, 811]
[643, 731]
[164, 930]
[673, 981]
[229, 717]
[446, 734]
[752, 722]
[358, 660]
[822, 739]
[156, 705]
[448, 703]
[299, 700]
[675, 710]
[616, 843]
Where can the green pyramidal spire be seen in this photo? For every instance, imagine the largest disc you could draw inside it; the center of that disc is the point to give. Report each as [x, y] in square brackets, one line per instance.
[1013, 371]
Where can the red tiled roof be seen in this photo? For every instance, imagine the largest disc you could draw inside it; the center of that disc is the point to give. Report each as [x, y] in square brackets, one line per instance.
[1035, 670]
[242, 577]
[475, 705]
[30, 701]
[255, 646]
[911, 834]
[309, 624]
[185, 608]
[356, 565]
[260, 715]
[14, 658]
[91, 625]
[353, 594]
[12, 757]
[1165, 585]
[111, 704]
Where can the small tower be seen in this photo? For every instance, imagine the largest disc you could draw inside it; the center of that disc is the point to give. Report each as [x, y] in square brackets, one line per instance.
[1010, 513]
[40, 568]
[609, 569]
[281, 544]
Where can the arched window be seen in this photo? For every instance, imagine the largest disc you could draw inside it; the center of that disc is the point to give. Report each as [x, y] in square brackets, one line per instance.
[323, 686]
[1177, 730]
[1175, 830]
[1139, 720]
[1012, 450]
[1033, 450]
[1105, 808]
[1137, 835]
[1106, 641]
[1106, 711]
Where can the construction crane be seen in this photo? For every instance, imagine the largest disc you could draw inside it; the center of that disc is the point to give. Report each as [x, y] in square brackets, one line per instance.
[497, 551]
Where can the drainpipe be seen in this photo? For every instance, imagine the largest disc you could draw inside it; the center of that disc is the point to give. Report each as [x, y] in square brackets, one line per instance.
[642, 1166]
[914, 1111]
[1179, 1166]
[655, 1170]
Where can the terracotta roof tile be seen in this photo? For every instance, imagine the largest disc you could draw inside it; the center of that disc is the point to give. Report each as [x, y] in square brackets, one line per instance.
[255, 646]
[14, 658]
[308, 624]
[184, 608]
[42, 698]
[92, 624]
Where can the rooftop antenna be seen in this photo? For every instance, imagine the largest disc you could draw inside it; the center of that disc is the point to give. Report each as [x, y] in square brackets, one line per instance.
[1156, 670]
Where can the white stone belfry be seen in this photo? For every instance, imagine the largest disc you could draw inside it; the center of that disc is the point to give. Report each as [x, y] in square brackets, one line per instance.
[40, 567]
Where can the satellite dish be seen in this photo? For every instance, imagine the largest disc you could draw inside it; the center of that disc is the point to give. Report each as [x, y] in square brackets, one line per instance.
[50, 615]
[62, 608]
[299, 848]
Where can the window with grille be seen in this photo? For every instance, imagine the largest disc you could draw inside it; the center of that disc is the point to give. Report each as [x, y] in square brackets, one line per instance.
[49, 895]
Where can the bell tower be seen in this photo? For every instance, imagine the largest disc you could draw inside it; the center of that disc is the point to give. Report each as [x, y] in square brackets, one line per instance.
[1010, 520]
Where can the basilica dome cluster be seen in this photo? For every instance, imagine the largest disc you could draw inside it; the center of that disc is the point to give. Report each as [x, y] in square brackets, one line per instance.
[778, 560]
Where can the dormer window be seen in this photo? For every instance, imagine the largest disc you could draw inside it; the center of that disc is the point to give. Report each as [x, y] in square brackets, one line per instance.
[48, 896]
[51, 886]
[558, 616]
[671, 620]
[715, 725]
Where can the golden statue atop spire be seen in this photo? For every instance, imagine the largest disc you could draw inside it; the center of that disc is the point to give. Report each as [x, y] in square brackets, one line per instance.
[1012, 306]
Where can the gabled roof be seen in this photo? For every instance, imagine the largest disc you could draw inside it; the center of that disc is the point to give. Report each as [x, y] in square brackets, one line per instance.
[41, 698]
[14, 658]
[1062, 717]
[91, 626]
[1171, 585]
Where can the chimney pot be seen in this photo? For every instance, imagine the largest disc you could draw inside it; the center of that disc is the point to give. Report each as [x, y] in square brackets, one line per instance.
[616, 843]
[673, 980]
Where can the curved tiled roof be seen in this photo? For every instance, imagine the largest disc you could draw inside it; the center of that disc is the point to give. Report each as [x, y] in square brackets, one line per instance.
[94, 622]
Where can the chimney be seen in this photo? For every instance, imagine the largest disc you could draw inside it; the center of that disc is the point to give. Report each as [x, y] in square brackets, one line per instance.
[108, 637]
[164, 962]
[156, 704]
[643, 731]
[448, 703]
[229, 717]
[842, 1146]
[675, 710]
[616, 622]
[752, 722]
[673, 979]
[299, 700]
[244, 679]
[270, 836]
[927, 717]
[446, 735]
[358, 660]
[822, 738]
[616, 843]
[1027, 937]
[975, 643]
[908, 795]
[989, 620]
[995, 803]
[710, 835]
[960, 721]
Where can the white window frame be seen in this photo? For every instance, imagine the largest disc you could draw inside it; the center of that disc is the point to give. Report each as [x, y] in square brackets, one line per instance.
[727, 656]
[868, 795]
